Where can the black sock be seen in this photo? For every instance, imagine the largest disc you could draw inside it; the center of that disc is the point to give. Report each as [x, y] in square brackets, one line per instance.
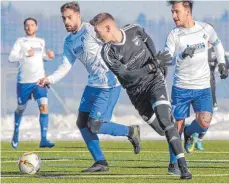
[131, 131]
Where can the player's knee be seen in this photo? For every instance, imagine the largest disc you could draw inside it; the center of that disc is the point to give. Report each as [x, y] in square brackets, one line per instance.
[94, 125]
[204, 119]
[171, 133]
[164, 116]
[154, 123]
[20, 109]
[43, 108]
[82, 119]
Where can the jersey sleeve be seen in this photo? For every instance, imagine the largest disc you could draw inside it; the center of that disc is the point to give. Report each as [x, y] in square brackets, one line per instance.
[45, 56]
[216, 43]
[16, 53]
[119, 69]
[68, 60]
[170, 45]
[148, 41]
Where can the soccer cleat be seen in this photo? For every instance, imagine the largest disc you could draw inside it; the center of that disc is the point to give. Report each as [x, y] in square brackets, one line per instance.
[188, 143]
[173, 169]
[46, 144]
[185, 173]
[99, 166]
[199, 146]
[14, 142]
[134, 138]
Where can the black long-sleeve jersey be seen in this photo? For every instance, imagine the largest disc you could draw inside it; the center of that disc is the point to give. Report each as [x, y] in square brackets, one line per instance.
[130, 61]
[130, 58]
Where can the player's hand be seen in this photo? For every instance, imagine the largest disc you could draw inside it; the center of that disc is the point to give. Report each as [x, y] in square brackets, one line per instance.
[223, 71]
[50, 54]
[44, 82]
[30, 52]
[164, 70]
[189, 51]
[163, 58]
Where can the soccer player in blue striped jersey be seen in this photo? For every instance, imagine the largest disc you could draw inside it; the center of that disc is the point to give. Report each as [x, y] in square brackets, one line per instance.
[100, 94]
[188, 44]
[29, 52]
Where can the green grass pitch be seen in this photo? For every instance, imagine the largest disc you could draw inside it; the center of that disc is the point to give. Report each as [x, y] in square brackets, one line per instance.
[63, 163]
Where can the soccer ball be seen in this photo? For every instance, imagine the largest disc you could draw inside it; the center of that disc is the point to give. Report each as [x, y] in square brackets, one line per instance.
[29, 163]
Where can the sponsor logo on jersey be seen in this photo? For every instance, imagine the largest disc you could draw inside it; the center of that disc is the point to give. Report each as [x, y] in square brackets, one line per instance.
[205, 36]
[199, 47]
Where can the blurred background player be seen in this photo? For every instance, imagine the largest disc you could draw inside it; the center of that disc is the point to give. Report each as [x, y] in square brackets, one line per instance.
[130, 53]
[29, 52]
[102, 91]
[188, 43]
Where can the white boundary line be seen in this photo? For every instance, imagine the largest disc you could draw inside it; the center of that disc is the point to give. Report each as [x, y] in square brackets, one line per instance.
[113, 151]
[114, 176]
[70, 160]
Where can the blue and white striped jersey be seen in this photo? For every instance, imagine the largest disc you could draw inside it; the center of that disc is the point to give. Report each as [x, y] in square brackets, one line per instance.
[85, 47]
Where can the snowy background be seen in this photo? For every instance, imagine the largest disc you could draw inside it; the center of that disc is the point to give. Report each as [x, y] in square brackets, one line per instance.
[64, 97]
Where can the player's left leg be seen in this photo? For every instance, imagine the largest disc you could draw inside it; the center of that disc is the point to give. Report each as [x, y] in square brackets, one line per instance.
[162, 108]
[24, 92]
[203, 108]
[100, 118]
[40, 95]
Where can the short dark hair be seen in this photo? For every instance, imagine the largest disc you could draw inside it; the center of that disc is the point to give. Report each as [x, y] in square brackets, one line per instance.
[30, 18]
[100, 18]
[186, 4]
[70, 5]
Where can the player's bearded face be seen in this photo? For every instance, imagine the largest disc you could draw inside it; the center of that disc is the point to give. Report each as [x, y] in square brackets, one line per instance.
[72, 20]
[30, 28]
[179, 13]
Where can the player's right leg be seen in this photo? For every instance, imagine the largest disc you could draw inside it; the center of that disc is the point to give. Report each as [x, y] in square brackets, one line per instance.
[24, 92]
[181, 110]
[173, 167]
[91, 139]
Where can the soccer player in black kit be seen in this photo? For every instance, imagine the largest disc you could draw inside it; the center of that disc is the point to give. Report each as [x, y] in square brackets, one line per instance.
[130, 54]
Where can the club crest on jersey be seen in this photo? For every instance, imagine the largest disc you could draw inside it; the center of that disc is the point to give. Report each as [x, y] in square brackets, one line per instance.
[136, 40]
[145, 118]
[205, 36]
